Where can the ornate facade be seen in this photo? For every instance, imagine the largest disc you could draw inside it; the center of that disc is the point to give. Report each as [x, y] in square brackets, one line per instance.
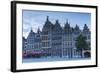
[55, 40]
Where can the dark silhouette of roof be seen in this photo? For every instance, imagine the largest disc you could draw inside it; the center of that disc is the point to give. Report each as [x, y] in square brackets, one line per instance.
[49, 27]
[31, 34]
[86, 29]
[57, 26]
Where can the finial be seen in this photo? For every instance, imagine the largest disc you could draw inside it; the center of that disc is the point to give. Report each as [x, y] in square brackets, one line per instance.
[85, 26]
[47, 18]
[31, 29]
[66, 21]
[76, 27]
[38, 30]
[57, 22]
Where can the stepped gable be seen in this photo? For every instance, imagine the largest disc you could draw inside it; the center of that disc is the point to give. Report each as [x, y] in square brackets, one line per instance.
[57, 26]
[77, 29]
[47, 27]
[86, 29]
[31, 34]
[47, 24]
[67, 28]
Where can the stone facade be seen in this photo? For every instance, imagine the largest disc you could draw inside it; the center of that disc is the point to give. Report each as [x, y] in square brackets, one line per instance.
[55, 40]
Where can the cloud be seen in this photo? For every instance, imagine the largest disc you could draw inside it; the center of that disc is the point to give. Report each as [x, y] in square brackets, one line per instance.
[25, 34]
[36, 19]
[35, 24]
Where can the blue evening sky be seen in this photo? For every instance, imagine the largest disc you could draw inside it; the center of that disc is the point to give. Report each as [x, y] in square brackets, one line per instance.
[36, 19]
